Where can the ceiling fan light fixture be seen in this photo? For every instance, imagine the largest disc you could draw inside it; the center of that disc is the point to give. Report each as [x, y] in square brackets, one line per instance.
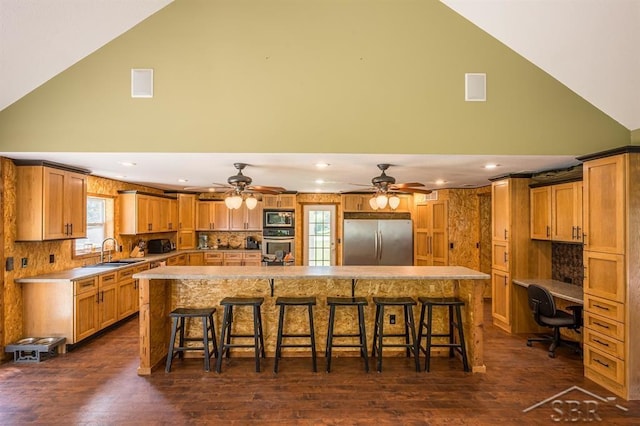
[373, 203]
[251, 202]
[394, 202]
[381, 201]
[233, 202]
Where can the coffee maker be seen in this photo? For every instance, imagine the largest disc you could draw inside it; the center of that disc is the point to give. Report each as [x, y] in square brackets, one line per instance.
[251, 243]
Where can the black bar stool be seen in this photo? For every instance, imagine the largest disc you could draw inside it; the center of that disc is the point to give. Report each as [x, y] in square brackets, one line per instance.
[227, 334]
[178, 317]
[360, 303]
[454, 323]
[283, 302]
[411, 344]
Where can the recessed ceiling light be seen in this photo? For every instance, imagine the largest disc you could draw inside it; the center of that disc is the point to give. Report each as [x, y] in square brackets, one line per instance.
[127, 163]
[441, 182]
[319, 181]
[183, 180]
[120, 176]
[491, 166]
[322, 165]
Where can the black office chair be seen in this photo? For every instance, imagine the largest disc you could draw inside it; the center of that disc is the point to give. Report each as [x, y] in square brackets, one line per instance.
[545, 313]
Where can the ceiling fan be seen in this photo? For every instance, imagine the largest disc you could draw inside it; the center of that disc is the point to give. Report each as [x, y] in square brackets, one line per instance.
[237, 187]
[385, 187]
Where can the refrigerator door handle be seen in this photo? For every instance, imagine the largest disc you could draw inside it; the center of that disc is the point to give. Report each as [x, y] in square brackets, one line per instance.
[380, 246]
[375, 244]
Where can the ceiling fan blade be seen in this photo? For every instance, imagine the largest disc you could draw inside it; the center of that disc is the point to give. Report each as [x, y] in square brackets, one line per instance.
[207, 188]
[406, 185]
[417, 190]
[258, 188]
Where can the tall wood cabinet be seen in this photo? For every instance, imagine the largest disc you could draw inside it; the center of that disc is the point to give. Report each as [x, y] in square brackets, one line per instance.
[612, 277]
[186, 238]
[513, 254]
[51, 203]
[431, 234]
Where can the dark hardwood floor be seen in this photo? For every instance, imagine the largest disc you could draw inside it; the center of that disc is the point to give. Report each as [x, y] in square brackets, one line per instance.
[96, 384]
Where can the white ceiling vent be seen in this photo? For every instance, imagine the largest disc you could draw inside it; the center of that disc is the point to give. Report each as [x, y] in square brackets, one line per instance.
[141, 83]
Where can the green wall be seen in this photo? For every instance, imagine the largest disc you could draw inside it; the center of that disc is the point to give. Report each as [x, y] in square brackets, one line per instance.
[374, 76]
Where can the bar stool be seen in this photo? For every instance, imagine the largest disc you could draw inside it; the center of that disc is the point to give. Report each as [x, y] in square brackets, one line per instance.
[178, 317]
[360, 303]
[452, 303]
[283, 302]
[411, 344]
[227, 334]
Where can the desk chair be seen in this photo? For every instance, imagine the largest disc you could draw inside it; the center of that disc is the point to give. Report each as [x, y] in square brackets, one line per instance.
[545, 314]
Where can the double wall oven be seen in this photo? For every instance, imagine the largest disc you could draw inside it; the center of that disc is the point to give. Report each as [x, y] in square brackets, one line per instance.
[278, 235]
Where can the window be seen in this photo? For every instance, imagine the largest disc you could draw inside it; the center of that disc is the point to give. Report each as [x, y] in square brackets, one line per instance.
[99, 224]
[319, 226]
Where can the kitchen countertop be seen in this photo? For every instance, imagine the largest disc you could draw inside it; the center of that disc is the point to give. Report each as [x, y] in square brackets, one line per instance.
[559, 289]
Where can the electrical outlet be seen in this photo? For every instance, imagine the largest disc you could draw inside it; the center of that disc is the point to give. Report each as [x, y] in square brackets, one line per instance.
[392, 319]
[52, 258]
[432, 288]
[9, 265]
[24, 262]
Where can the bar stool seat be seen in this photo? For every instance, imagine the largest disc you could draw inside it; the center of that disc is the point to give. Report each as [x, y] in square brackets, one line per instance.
[360, 303]
[411, 344]
[283, 302]
[227, 334]
[178, 317]
[455, 322]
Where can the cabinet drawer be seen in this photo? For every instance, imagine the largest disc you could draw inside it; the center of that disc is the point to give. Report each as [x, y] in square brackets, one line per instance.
[141, 268]
[213, 256]
[603, 307]
[107, 279]
[84, 286]
[233, 256]
[253, 256]
[125, 274]
[604, 325]
[604, 343]
[607, 365]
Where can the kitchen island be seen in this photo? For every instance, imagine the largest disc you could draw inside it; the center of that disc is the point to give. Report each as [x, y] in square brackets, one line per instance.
[165, 288]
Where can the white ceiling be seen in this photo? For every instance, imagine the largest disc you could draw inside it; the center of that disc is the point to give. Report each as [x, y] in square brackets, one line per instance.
[589, 45]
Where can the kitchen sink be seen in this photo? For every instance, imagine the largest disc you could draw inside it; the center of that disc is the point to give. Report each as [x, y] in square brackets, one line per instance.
[114, 264]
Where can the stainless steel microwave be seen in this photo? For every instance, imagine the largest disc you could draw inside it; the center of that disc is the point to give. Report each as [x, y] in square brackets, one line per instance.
[278, 219]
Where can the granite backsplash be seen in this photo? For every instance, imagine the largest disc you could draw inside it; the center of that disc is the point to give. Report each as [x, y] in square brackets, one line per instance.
[567, 263]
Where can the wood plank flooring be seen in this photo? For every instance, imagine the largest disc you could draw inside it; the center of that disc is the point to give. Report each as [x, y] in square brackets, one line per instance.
[96, 384]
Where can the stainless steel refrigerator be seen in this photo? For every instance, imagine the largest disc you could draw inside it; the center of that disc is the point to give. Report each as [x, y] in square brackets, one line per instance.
[377, 242]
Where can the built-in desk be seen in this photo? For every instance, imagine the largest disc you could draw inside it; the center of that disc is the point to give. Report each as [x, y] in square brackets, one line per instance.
[569, 292]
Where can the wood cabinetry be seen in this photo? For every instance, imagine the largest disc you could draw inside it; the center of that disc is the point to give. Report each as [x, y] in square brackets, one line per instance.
[556, 212]
[513, 253]
[107, 299]
[360, 203]
[242, 259]
[142, 213]
[186, 238]
[177, 260]
[195, 259]
[215, 216]
[51, 203]
[244, 219]
[612, 278]
[128, 302]
[431, 234]
[280, 201]
[214, 259]
[75, 325]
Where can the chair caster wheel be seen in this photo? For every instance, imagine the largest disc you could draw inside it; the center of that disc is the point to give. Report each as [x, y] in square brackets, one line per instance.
[529, 344]
[552, 355]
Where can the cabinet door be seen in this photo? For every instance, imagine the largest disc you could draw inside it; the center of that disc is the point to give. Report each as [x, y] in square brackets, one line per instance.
[172, 219]
[76, 204]
[501, 296]
[237, 218]
[107, 300]
[186, 212]
[604, 204]
[604, 275]
[252, 259]
[540, 213]
[155, 215]
[351, 203]
[186, 240]
[204, 221]
[55, 223]
[143, 206]
[287, 201]
[127, 298]
[195, 259]
[220, 217]
[500, 208]
[566, 218]
[85, 313]
[254, 218]
[439, 234]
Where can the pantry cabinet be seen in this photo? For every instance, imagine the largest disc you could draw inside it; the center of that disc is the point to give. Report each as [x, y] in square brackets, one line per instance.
[51, 203]
[431, 234]
[186, 238]
[611, 276]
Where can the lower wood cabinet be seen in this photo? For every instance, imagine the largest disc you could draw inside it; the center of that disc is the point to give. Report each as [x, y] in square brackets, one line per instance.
[195, 259]
[242, 259]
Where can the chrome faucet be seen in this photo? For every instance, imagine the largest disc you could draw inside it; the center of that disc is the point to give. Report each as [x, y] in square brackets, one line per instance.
[115, 242]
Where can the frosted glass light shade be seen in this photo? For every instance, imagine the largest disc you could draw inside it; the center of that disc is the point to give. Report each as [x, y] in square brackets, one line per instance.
[233, 202]
[252, 202]
[373, 204]
[381, 201]
[394, 202]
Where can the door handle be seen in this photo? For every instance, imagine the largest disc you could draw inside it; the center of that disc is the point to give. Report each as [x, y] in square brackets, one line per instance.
[380, 245]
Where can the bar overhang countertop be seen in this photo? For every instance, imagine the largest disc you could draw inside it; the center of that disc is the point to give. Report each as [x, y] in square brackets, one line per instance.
[165, 288]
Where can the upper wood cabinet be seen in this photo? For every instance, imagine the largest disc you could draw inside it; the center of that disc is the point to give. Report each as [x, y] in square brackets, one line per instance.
[142, 213]
[280, 201]
[51, 203]
[556, 212]
[243, 219]
[360, 203]
[215, 216]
